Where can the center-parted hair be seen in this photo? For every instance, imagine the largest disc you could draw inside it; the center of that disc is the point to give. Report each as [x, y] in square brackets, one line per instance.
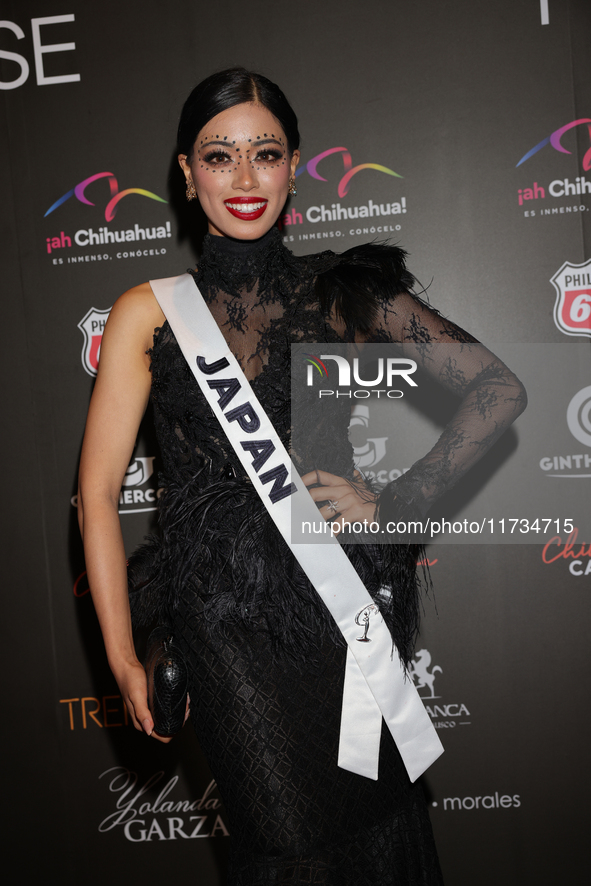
[226, 89]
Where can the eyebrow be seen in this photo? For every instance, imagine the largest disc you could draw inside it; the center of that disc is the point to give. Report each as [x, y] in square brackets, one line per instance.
[256, 143]
[208, 144]
[267, 141]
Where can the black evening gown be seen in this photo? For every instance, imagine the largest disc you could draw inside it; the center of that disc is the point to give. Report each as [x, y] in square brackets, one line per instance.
[267, 663]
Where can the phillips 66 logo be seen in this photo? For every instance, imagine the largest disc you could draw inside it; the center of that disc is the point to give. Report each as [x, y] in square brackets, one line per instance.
[92, 327]
[572, 311]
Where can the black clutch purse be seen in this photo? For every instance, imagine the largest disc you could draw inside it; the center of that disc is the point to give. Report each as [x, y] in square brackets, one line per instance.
[168, 682]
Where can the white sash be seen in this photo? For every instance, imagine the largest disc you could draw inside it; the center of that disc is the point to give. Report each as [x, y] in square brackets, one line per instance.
[375, 681]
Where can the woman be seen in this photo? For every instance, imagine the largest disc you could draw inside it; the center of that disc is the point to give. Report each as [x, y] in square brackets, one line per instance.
[266, 660]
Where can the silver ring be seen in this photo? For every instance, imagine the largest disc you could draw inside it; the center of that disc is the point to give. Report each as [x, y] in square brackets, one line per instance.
[333, 506]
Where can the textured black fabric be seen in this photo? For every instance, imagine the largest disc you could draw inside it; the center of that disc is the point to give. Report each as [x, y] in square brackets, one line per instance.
[266, 660]
[270, 733]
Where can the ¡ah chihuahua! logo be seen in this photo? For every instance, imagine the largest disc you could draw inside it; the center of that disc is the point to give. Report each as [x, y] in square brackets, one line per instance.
[104, 236]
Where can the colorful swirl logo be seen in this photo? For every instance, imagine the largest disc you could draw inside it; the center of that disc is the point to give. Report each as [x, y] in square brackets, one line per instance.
[350, 170]
[314, 361]
[116, 195]
[555, 141]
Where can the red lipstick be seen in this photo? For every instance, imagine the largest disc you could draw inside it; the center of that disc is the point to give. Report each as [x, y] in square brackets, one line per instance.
[246, 208]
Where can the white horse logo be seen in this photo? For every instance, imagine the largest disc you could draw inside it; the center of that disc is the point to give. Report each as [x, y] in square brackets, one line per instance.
[419, 671]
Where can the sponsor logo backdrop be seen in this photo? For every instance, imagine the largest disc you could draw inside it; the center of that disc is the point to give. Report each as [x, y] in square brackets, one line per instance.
[460, 131]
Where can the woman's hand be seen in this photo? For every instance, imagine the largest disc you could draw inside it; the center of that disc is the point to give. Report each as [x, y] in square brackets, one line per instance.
[133, 686]
[348, 501]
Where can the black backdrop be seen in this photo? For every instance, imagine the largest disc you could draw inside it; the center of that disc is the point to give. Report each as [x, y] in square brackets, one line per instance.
[451, 97]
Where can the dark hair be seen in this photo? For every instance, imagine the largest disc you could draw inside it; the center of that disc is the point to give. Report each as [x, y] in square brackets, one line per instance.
[226, 89]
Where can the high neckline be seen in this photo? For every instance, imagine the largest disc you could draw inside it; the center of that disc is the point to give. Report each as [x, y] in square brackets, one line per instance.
[247, 252]
[239, 266]
[264, 266]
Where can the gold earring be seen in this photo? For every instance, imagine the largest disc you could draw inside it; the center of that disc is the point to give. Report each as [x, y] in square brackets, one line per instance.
[292, 190]
[191, 192]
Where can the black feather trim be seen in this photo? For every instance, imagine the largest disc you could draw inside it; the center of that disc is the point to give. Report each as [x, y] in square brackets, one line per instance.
[363, 278]
[221, 553]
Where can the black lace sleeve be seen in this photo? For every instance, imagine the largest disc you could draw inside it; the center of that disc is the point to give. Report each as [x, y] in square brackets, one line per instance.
[491, 399]
[491, 396]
